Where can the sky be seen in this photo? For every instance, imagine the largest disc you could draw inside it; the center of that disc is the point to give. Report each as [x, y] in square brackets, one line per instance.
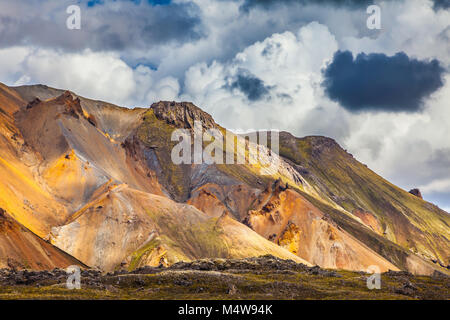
[303, 66]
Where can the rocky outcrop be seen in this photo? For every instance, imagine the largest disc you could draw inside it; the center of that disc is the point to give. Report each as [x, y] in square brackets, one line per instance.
[290, 239]
[416, 192]
[73, 105]
[182, 114]
[33, 103]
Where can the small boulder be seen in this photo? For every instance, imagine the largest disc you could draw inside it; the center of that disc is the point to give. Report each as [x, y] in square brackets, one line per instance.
[33, 103]
[416, 192]
[232, 290]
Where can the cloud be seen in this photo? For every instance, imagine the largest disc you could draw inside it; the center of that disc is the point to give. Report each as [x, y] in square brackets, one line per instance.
[273, 83]
[268, 4]
[410, 26]
[113, 25]
[377, 82]
[440, 186]
[440, 158]
[97, 75]
[250, 85]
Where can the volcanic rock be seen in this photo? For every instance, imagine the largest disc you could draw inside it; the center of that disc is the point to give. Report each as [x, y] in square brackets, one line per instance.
[416, 192]
[182, 114]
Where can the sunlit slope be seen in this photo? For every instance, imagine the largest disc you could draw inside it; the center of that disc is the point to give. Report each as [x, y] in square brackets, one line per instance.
[395, 214]
[114, 121]
[128, 228]
[289, 220]
[20, 248]
[21, 194]
[10, 101]
[54, 154]
[77, 155]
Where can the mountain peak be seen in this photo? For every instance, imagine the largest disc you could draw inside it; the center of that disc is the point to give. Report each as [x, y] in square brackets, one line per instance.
[182, 114]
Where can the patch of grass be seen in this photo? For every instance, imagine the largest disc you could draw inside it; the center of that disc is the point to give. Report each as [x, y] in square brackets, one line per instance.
[137, 256]
[190, 238]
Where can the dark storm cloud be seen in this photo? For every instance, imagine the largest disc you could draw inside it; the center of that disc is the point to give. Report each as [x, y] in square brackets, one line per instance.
[105, 26]
[441, 4]
[250, 85]
[377, 82]
[266, 4]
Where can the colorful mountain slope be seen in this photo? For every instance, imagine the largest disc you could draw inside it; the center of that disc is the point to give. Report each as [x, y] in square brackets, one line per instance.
[20, 248]
[397, 215]
[128, 228]
[209, 185]
[98, 180]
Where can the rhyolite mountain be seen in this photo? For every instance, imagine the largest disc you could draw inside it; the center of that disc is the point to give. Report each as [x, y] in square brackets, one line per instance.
[90, 183]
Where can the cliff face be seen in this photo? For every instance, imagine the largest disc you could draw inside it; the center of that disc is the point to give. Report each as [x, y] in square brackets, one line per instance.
[98, 182]
[182, 114]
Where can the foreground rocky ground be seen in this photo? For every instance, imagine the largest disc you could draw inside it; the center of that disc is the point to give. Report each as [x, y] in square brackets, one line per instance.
[253, 278]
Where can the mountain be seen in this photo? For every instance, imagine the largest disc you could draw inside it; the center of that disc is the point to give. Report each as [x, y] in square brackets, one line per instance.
[96, 183]
[69, 178]
[387, 210]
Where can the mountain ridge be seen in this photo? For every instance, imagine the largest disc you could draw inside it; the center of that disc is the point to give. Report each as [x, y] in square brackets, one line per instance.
[108, 146]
